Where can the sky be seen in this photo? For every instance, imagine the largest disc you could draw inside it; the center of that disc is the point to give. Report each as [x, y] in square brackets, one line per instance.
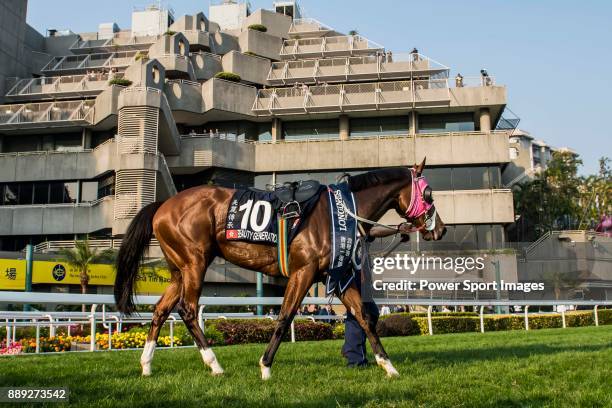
[554, 56]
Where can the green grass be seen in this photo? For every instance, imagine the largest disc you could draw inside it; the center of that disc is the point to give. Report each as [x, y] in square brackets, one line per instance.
[556, 367]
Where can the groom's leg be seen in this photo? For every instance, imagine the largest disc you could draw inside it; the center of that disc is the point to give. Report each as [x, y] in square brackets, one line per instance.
[354, 348]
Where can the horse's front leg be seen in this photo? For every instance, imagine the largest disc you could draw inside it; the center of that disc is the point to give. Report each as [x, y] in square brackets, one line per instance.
[299, 282]
[353, 302]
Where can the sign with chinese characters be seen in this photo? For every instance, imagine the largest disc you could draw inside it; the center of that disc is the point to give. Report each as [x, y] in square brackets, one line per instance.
[12, 274]
[150, 280]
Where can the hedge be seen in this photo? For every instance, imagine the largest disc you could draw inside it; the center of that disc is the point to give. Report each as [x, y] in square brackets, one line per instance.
[258, 27]
[228, 76]
[260, 331]
[410, 324]
[120, 81]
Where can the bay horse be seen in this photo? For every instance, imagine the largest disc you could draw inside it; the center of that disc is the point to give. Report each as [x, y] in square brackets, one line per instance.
[190, 228]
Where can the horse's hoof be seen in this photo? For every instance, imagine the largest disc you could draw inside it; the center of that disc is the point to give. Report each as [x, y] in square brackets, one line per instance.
[211, 360]
[385, 363]
[266, 372]
[146, 369]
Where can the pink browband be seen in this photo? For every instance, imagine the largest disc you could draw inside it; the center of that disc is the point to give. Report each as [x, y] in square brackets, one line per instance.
[418, 206]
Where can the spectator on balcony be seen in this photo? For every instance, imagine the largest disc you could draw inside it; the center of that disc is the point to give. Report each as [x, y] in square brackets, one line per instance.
[459, 81]
[485, 78]
[415, 54]
[304, 89]
[389, 56]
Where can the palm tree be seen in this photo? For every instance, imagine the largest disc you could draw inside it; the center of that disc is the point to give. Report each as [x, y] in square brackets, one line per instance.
[81, 256]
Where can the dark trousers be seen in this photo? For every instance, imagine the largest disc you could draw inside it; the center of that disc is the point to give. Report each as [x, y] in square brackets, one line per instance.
[354, 348]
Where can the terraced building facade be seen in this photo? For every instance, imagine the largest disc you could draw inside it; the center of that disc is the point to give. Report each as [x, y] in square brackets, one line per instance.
[98, 125]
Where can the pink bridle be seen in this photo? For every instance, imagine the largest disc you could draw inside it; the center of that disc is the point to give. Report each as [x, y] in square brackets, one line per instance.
[418, 206]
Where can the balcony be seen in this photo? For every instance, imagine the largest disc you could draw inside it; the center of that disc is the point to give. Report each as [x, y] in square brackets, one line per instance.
[46, 114]
[329, 47]
[353, 97]
[58, 165]
[308, 27]
[441, 149]
[69, 86]
[205, 65]
[80, 64]
[122, 41]
[198, 40]
[72, 218]
[361, 68]
[177, 66]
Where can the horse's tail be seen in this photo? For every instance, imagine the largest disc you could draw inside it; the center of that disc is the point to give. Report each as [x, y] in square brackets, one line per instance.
[131, 254]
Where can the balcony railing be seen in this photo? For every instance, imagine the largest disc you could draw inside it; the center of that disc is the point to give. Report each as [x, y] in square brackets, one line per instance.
[328, 47]
[352, 97]
[380, 136]
[45, 112]
[120, 42]
[76, 64]
[308, 27]
[68, 86]
[343, 69]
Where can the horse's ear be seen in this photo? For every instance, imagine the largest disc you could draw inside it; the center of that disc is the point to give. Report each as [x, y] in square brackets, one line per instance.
[418, 168]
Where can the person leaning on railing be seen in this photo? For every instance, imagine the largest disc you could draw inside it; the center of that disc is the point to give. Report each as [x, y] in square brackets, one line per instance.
[415, 54]
[459, 81]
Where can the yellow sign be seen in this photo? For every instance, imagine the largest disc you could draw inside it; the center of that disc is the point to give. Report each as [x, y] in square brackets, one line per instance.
[150, 280]
[12, 274]
[62, 273]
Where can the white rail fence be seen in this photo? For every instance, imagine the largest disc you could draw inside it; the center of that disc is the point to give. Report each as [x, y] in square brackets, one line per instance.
[52, 320]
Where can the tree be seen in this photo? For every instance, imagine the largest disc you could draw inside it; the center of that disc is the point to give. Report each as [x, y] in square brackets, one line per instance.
[551, 200]
[81, 256]
[353, 32]
[596, 195]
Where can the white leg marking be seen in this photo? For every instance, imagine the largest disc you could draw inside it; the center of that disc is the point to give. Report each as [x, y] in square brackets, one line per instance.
[266, 373]
[147, 357]
[211, 360]
[386, 364]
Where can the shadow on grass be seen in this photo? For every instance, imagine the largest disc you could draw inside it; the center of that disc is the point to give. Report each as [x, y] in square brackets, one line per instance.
[493, 353]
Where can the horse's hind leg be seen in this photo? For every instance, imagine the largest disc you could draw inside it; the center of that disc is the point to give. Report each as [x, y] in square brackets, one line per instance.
[351, 298]
[193, 278]
[163, 308]
[299, 283]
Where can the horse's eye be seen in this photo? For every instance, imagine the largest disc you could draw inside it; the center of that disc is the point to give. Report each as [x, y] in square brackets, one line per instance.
[428, 195]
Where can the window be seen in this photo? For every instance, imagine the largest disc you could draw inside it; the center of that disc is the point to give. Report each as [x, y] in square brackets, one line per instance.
[106, 186]
[470, 178]
[439, 178]
[319, 129]
[264, 132]
[26, 191]
[390, 126]
[68, 143]
[41, 193]
[494, 177]
[537, 160]
[457, 122]
[22, 143]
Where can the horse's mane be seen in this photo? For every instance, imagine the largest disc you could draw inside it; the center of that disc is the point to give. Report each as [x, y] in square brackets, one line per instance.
[378, 177]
